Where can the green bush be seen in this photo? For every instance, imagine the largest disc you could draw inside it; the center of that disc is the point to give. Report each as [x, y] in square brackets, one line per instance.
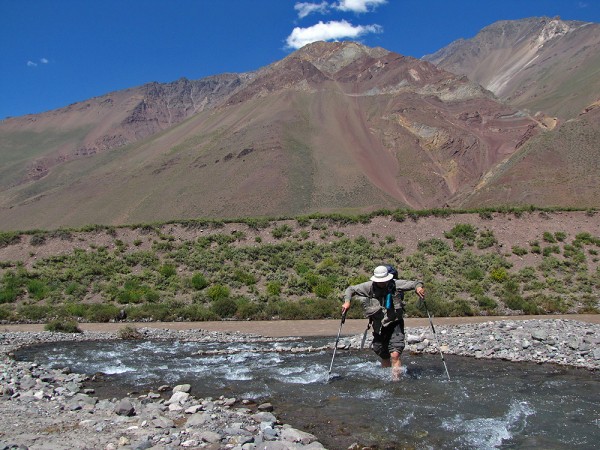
[224, 307]
[433, 247]
[101, 313]
[62, 326]
[322, 289]
[34, 313]
[197, 313]
[37, 289]
[217, 292]
[486, 239]
[167, 270]
[9, 238]
[487, 303]
[244, 277]
[274, 288]
[282, 231]
[464, 232]
[499, 275]
[549, 237]
[519, 251]
[199, 282]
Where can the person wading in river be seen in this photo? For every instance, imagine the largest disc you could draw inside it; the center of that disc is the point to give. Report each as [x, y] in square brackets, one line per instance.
[382, 303]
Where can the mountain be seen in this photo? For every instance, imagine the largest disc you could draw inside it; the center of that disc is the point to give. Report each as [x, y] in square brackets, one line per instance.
[542, 64]
[333, 127]
[558, 168]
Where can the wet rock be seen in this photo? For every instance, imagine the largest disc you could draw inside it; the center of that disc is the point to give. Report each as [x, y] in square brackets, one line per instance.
[265, 407]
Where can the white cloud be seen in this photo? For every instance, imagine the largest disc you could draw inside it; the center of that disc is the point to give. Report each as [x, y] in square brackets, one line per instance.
[31, 64]
[44, 61]
[359, 6]
[305, 9]
[330, 31]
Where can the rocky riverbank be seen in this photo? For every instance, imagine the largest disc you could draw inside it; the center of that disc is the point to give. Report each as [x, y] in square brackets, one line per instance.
[554, 341]
[45, 408]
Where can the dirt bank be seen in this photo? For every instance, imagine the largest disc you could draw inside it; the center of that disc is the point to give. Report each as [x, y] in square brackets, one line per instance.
[279, 328]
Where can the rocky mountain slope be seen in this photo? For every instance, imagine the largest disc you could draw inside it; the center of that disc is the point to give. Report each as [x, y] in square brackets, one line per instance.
[538, 64]
[331, 127]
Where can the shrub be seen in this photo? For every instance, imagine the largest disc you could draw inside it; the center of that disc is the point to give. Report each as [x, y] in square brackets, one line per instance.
[433, 247]
[399, 216]
[167, 270]
[323, 289]
[217, 292]
[9, 238]
[560, 236]
[486, 240]
[129, 332]
[197, 313]
[549, 237]
[224, 307]
[244, 277]
[62, 326]
[37, 289]
[37, 239]
[274, 288]
[551, 249]
[487, 303]
[519, 251]
[102, 313]
[463, 231]
[199, 282]
[282, 231]
[34, 312]
[499, 275]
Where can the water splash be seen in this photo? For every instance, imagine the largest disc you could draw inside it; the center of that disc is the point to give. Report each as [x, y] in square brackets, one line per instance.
[489, 433]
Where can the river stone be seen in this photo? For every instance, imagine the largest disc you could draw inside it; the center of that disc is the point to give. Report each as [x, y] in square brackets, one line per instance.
[539, 335]
[197, 419]
[125, 408]
[182, 388]
[210, 436]
[294, 435]
[178, 397]
[264, 417]
[163, 422]
[268, 407]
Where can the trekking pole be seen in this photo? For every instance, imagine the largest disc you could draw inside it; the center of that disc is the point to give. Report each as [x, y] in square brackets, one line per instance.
[336, 342]
[436, 339]
[364, 338]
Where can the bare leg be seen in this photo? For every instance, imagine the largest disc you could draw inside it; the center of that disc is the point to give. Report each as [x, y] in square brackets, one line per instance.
[396, 366]
[386, 362]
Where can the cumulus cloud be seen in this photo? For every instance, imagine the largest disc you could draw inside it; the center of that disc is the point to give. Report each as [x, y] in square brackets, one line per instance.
[359, 6]
[305, 9]
[31, 64]
[330, 31]
[44, 61]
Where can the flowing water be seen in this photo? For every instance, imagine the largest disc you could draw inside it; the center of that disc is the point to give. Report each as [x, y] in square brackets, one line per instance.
[487, 404]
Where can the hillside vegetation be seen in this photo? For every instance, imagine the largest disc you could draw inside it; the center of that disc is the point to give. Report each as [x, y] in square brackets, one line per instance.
[473, 263]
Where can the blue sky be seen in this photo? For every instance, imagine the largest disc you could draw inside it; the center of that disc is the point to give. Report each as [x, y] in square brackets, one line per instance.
[53, 53]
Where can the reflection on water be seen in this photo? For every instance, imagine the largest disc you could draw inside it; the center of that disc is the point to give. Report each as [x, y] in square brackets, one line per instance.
[488, 404]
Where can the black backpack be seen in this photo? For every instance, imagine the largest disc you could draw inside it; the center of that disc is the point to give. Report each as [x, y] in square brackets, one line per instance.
[391, 269]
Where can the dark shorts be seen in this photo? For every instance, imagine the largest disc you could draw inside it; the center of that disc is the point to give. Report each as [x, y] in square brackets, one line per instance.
[391, 339]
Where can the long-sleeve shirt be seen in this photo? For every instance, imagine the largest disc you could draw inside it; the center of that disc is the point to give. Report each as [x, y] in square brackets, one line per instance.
[373, 296]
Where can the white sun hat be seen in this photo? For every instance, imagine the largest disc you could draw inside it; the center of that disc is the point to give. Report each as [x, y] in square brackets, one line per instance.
[381, 275]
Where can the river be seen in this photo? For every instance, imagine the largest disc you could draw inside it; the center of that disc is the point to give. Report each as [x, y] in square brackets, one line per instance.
[487, 404]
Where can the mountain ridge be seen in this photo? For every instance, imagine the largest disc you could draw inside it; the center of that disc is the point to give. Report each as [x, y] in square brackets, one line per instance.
[332, 127]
